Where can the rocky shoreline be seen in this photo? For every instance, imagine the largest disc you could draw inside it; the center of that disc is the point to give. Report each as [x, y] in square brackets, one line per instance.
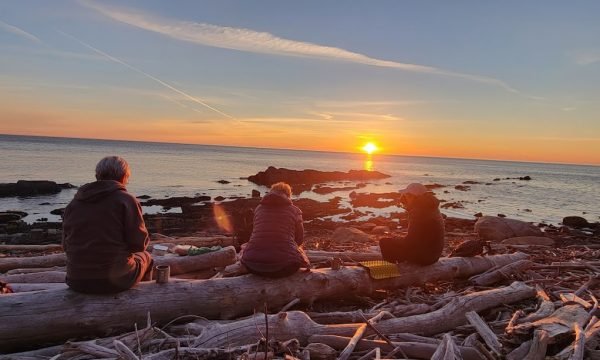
[561, 260]
[198, 214]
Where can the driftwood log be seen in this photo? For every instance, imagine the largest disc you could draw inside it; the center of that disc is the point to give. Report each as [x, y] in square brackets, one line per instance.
[453, 314]
[178, 264]
[26, 317]
[412, 349]
[48, 247]
[198, 241]
[9, 263]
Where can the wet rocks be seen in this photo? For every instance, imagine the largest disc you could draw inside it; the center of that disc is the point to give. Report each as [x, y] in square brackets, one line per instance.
[497, 229]
[223, 182]
[453, 205]
[177, 201]
[8, 216]
[303, 180]
[255, 193]
[323, 190]
[375, 200]
[60, 211]
[462, 187]
[32, 188]
[313, 209]
[575, 222]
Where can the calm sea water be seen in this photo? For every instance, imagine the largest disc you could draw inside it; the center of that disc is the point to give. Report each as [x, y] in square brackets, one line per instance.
[162, 170]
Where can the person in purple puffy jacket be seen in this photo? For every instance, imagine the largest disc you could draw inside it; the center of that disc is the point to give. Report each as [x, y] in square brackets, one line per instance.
[274, 246]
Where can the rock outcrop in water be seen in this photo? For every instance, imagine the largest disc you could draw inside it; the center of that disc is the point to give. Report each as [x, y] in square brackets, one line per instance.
[303, 180]
[32, 188]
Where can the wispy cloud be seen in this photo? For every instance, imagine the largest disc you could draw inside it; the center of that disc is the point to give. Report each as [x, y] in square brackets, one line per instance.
[263, 42]
[587, 57]
[19, 32]
[355, 116]
[366, 103]
[153, 78]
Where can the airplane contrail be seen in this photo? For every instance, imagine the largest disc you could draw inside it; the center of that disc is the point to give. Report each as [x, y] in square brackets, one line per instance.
[168, 86]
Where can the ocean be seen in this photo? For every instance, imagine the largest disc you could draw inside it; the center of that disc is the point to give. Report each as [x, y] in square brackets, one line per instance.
[164, 170]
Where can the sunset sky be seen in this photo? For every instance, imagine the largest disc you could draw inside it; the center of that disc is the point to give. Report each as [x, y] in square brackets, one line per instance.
[508, 80]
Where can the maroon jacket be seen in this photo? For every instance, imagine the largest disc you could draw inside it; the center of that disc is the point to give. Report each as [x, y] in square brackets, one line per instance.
[276, 236]
[102, 228]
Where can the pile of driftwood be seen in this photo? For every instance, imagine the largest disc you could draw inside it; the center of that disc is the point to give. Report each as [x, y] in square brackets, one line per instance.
[525, 302]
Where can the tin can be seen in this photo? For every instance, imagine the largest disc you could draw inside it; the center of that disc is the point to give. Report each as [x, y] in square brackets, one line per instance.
[162, 274]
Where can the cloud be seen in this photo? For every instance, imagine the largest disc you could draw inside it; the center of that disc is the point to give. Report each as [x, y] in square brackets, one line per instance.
[366, 103]
[587, 57]
[19, 32]
[263, 42]
[355, 116]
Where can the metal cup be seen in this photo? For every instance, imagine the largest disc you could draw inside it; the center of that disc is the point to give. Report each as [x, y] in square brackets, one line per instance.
[162, 274]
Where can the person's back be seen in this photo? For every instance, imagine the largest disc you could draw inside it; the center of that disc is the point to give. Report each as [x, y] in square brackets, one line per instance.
[104, 236]
[424, 243]
[273, 249]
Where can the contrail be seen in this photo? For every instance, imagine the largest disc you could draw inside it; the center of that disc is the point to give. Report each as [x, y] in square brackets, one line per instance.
[194, 99]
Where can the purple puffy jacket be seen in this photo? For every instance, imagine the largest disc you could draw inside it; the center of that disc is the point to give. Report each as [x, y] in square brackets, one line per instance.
[276, 236]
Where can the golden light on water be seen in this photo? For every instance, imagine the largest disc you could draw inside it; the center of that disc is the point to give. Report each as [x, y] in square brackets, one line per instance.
[368, 165]
[369, 148]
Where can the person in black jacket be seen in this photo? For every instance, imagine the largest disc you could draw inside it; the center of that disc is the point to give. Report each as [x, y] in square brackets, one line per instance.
[424, 242]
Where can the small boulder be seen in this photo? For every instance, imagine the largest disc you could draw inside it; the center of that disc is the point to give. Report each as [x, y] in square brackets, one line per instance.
[255, 193]
[575, 222]
[7, 216]
[497, 228]
[349, 235]
[223, 182]
[529, 240]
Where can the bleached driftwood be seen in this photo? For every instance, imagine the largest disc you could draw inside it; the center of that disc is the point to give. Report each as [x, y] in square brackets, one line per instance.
[36, 277]
[485, 332]
[34, 270]
[186, 264]
[539, 344]
[70, 314]
[29, 287]
[447, 350]
[178, 264]
[9, 263]
[495, 275]
[199, 241]
[561, 322]
[411, 349]
[48, 247]
[453, 315]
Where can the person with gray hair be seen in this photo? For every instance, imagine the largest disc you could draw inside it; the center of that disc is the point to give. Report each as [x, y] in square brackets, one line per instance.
[278, 232]
[104, 235]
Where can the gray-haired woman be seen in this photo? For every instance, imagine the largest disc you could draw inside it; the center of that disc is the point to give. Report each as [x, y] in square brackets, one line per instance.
[104, 235]
[274, 246]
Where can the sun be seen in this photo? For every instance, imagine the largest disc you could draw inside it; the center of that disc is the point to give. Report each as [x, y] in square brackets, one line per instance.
[369, 148]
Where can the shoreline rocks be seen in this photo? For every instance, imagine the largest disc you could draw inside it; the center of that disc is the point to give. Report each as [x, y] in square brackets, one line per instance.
[303, 180]
[500, 228]
[32, 188]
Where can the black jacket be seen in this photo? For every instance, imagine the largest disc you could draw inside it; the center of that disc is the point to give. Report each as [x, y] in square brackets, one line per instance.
[424, 243]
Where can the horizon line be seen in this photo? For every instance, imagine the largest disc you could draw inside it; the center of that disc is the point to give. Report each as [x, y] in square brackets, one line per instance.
[308, 150]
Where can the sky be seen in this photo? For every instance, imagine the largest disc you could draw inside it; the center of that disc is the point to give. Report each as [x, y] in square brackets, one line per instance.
[507, 80]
